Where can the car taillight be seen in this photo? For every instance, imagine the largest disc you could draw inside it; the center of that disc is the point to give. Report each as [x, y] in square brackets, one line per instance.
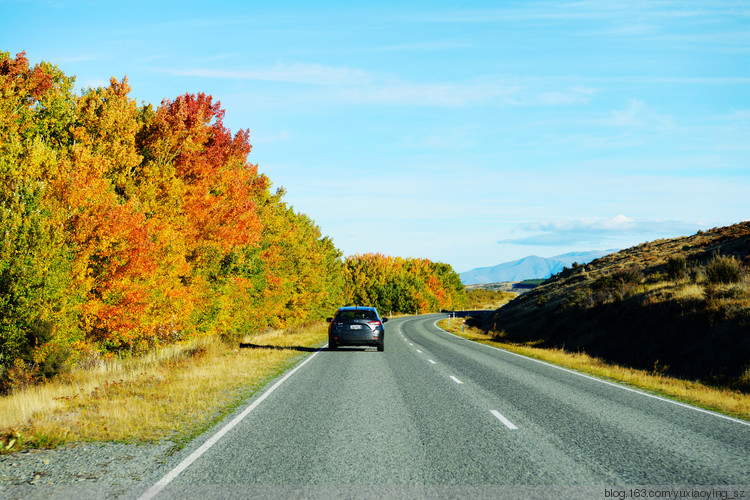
[374, 324]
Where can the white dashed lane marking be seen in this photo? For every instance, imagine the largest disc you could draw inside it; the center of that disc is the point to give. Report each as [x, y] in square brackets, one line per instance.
[510, 425]
[504, 420]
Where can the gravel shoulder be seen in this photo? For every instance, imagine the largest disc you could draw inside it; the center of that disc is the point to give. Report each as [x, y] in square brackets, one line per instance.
[88, 470]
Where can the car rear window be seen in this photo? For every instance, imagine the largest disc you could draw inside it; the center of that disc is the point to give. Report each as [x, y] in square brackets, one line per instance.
[350, 315]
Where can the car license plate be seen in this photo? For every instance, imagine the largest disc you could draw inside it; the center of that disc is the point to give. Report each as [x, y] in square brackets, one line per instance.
[355, 327]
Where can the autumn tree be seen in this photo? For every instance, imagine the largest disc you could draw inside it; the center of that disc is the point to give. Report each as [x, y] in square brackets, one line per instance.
[200, 195]
[401, 285]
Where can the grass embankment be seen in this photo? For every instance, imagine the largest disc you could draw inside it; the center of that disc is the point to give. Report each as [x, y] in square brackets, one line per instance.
[733, 403]
[173, 394]
[478, 299]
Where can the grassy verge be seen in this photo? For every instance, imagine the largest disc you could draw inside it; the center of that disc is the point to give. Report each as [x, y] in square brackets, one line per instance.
[733, 403]
[173, 394]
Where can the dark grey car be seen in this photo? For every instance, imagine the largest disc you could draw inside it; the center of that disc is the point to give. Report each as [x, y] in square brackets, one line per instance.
[354, 325]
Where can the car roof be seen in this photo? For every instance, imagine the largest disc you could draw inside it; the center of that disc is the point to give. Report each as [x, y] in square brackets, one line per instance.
[356, 308]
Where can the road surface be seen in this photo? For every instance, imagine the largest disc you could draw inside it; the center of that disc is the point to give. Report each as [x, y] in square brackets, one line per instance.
[439, 416]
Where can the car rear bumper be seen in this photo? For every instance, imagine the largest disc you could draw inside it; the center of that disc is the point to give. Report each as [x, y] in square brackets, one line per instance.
[370, 338]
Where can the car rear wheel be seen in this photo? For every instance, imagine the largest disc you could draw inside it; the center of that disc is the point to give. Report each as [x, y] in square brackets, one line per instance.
[381, 347]
[333, 346]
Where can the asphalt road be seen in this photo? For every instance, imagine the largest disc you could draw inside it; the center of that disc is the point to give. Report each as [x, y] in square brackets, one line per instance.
[438, 416]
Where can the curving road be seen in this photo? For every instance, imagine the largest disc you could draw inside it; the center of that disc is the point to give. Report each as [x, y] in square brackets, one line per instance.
[439, 416]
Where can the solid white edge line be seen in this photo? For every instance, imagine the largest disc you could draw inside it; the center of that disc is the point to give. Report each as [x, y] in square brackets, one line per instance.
[504, 420]
[455, 380]
[619, 386]
[171, 475]
[431, 361]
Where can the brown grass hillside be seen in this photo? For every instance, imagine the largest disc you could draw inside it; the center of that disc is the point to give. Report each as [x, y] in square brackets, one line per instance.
[676, 306]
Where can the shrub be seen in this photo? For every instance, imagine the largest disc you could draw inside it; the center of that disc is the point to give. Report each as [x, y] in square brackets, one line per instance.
[541, 301]
[724, 269]
[676, 267]
[694, 273]
[656, 277]
[630, 275]
[619, 279]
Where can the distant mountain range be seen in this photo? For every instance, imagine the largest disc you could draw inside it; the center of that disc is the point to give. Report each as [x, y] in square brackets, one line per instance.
[531, 267]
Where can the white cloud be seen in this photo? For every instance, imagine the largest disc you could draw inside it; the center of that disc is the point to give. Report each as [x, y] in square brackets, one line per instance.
[642, 12]
[481, 92]
[431, 94]
[637, 115]
[355, 85]
[425, 46]
[598, 231]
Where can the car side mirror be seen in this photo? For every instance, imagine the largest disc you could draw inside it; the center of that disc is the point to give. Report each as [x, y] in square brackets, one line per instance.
[385, 319]
[329, 320]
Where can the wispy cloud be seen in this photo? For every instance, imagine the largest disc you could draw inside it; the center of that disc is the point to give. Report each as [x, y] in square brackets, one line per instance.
[354, 85]
[486, 91]
[637, 115]
[79, 58]
[313, 74]
[425, 46]
[737, 115]
[431, 93]
[572, 95]
[585, 11]
[596, 231]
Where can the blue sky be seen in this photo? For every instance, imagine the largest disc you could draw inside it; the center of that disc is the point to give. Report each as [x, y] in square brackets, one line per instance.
[471, 133]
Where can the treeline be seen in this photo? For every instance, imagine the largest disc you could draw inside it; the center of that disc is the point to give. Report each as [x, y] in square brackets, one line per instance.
[128, 227]
[395, 284]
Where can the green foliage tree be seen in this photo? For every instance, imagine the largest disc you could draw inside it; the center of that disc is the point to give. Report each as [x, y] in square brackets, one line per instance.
[36, 304]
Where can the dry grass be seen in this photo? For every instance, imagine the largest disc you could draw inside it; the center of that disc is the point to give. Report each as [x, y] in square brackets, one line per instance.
[726, 401]
[488, 299]
[172, 394]
[689, 291]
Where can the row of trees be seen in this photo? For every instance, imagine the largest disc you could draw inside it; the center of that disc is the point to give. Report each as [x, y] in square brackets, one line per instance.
[129, 227]
[126, 226]
[402, 284]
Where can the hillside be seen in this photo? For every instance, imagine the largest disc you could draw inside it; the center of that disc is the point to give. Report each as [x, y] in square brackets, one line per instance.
[663, 306]
[531, 267]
